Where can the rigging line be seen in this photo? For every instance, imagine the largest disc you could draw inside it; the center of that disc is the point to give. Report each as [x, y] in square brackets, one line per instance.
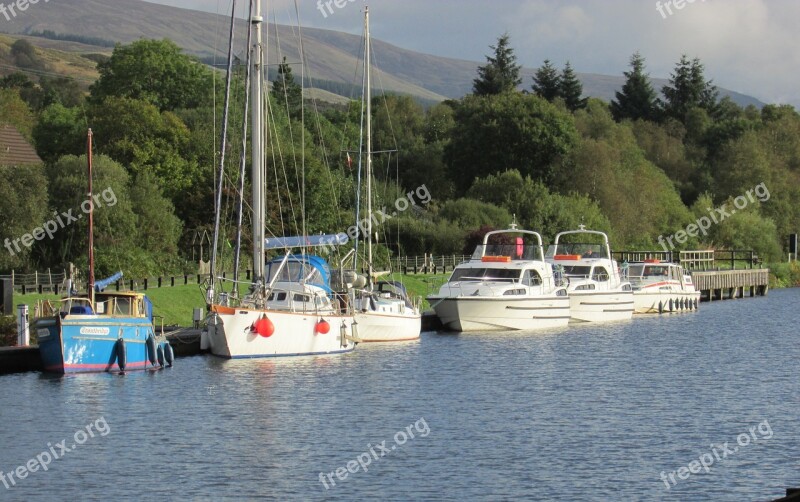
[223, 140]
[286, 96]
[360, 152]
[276, 148]
[302, 120]
[243, 153]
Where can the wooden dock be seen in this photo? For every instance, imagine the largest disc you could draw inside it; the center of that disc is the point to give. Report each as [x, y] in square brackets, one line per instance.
[730, 284]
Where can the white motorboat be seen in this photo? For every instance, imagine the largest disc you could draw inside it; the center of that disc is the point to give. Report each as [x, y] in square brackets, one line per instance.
[596, 290]
[660, 286]
[506, 285]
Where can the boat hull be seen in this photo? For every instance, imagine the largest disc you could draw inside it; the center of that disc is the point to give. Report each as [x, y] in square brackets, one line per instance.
[380, 327]
[231, 334]
[601, 306]
[86, 344]
[502, 313]
[654, 302]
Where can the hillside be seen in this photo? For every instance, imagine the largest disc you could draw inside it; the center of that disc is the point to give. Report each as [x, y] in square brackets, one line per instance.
[333, 56]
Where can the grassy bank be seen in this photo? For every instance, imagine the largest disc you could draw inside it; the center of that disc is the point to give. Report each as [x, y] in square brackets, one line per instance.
[784, 275]
[175, 304]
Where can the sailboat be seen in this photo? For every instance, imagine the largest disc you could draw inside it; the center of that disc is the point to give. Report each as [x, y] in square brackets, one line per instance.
[99, 331]
[292, 308]
[384, 311]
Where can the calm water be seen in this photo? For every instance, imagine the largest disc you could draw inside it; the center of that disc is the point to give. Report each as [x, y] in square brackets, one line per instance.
[586, 412]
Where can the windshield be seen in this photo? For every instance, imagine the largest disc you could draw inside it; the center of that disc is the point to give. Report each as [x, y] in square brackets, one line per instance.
[579, 249]
[485, 274]
[514, 251]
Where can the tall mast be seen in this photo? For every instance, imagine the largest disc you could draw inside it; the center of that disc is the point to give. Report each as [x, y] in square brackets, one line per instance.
[257, 114]
[368, 98]
[90, 282]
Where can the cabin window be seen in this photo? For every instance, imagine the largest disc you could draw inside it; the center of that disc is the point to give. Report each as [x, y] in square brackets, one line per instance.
[600, 274]
[531, 278]
[301, 298]
[584, 287]
[123, 306]
[280, 297]
[511, 292]
[484, 274]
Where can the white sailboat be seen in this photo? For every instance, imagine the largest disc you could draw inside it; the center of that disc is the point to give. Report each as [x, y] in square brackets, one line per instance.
[597, 291]
[506, 285]
[384, 312]
[291, 309]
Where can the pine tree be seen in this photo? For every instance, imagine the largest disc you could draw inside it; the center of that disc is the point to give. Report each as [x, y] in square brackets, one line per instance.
[500, 73]
[287, 93]
[546, 82]
[571, 89]
[688, 89]
[637, 99]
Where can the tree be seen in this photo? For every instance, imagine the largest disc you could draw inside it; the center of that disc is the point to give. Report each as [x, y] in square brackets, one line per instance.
[23, 204]
[286, 91]
[155, 71]
[571, 89]
[59, 131]
[546, 82]
[508, 131]
[688, 89]
[637, 99]
[14, 111]
[500, 73]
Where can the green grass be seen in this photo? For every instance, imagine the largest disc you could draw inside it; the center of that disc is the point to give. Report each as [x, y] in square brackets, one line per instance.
[176, 304]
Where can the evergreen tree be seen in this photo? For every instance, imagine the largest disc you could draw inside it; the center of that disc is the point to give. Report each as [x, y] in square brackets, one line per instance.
[637, 100]
[571, 89]
[286, 91]
[500, 73]
[546, 82]
[688, 89]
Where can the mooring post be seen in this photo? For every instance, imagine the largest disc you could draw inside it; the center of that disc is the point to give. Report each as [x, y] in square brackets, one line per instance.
[23, 329]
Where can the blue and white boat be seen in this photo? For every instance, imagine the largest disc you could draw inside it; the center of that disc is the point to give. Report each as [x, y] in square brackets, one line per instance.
[113, 332]
[99, 331]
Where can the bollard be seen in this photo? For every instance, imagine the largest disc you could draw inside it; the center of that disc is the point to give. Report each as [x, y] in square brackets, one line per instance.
[23, 329]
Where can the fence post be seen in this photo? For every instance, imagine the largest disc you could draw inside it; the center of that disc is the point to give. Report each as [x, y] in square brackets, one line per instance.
[159, 281]
[132, 285]
[185, 279]
[145, 283]
[172, 281]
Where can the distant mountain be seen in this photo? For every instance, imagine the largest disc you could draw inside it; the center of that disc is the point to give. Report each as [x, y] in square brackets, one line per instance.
[333, 56]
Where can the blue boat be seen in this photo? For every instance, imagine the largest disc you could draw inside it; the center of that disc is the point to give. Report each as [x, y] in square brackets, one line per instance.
[99, 331]
[113, 333]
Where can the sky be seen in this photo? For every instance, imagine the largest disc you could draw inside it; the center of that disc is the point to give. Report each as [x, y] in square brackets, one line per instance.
[748, 46]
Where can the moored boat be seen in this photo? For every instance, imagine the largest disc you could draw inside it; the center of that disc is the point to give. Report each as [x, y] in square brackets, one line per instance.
[596, 290]
[99, 331]
[506, 285]
[660, 286]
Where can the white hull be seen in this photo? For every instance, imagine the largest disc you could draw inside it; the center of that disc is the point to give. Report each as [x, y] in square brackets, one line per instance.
[647, 302]
[605, 306]
[502, 313]
[231, 334]
[380, 327]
